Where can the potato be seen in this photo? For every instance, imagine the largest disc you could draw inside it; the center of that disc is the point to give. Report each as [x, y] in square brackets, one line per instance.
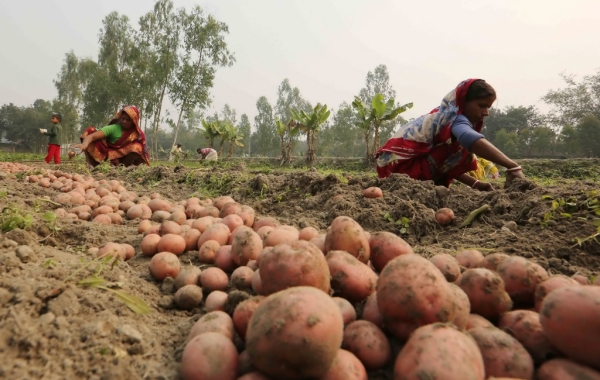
[285, 321]
[102, 219]
[570, 318]
[439, 351]
[214, 321]
[159, 204]
[444, 216]
[463, 307]
[412, 292]
[208, 251]
[243, 312]
[139, 211]
[503, 355]
[486, 292]
[209, 356]
[230, 208]
[102, 210]
[525, 326]
[153, 230]
[203, 223]
[257, 283]
[469, 258]
[347, 235]
[224, 259]
[385, 246]
[254, 376]
[549, 285]
[241, 278]
[216, 300]
[209, 211]
[319, 242]
[171, 243]
[114, 218]
[160, 216]
[268, 221]
[246, 246]
[350, 278]
[190, 236]
[345, 366]
[248, 215]
[371, 311]
[188, 297]
[564, 369]
[521, 278]
[112, 250]
[581, 279]
[189, 275]
[308, 233]
[492, 261]
[297, 264]
[447, 264]
[368, 343]
[373, 192]
[475, 320]
[169, 227]
[347, 310]
[193, 211]
[221, 201]
[281, 235]
[263, 231]
[163, 265]
[214, 279]
[144, 225]
[232, 221]
[218, 232]
[129, 251]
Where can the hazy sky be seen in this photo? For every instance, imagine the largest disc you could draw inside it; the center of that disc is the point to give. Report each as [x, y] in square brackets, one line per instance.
[326, 47]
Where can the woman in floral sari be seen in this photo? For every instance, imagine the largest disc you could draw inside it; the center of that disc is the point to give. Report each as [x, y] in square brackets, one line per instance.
[122, 142]
[441, 146]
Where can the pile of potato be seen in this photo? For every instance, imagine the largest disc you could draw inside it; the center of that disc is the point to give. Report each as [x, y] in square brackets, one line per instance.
[338, 304]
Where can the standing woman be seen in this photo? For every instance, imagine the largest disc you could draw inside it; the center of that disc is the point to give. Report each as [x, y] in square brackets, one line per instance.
[441, 146]
[122, 142]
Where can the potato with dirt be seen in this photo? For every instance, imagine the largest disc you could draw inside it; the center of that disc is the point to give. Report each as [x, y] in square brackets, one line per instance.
[447, 264]
[565, 369]
[492, 261]
[545, 287]
[295, 334]
[345, 366]
[297, 264]
[189, 275]
[350, 279]
[214, 321]
[246, 246]
[525, 326]
[345, 234]
[368, 343]
[373, 192]
[188, 297]
[347, 310]
[439, 351]
[469, 258]
[371, 311]
[412, 292]
[503, 355]
[521, 277]
[280, 235]
[570, 318]
[474, 321]
[243, 313]
[486, 292]
[163, 265]
[444, 216]
[209, 356]
[385, 246]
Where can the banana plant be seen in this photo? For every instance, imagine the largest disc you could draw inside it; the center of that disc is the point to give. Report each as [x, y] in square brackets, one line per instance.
[310, 123]
[286, 133]
[211, 130]
[364, 122]
[234, 136]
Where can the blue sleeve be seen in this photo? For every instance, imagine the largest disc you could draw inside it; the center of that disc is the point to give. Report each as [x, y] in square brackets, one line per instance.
[464, 132]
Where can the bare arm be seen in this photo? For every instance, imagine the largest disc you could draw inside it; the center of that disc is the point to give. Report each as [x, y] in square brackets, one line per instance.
[98, 135]
[487, 150]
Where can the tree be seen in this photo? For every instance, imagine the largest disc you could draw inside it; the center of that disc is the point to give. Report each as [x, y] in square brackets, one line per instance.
[21, 124]
[246, 130]
[287, 132]
[310, 123]
[212, 129]
[588, 135]
[233, 136]
[342, 137]
[567, 140]
[265, 138]
[578, 100]
[377, 82]
[507, 142]
[204, 50]
[511, 119]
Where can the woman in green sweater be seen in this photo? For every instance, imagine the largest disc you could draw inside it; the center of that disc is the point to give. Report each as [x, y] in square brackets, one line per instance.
[122, 142]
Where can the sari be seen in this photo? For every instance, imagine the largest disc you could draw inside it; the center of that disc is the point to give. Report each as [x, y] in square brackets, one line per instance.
[129, 149]
[485, 170]
[425, 149]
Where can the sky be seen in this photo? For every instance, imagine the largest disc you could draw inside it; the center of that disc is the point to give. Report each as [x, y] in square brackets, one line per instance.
[327, 47]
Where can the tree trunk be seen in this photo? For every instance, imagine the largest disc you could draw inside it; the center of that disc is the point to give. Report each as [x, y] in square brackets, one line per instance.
[221, 146]
[230, 152]
[156, 119]
[177, 130]
[376, 139]
[367, 144]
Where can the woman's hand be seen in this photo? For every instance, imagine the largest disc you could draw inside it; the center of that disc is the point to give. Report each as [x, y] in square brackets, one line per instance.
[81, 147]
[484, 186]
[510, 176]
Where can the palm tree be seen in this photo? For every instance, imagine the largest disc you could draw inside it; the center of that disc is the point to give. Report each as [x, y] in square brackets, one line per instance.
[310, 123]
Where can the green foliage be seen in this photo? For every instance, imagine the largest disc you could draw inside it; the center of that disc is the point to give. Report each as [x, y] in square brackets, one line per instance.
[575, 102]
[310, 123]
[51, 221]
[13, 217]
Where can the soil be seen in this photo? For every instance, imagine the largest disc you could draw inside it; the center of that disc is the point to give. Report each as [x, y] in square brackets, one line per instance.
[53, 329]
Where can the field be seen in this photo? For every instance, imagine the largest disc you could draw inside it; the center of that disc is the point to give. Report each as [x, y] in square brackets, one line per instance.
[53, 328]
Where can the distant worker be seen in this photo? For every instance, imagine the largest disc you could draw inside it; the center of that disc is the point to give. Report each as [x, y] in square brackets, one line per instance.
[55, 140]
[176, 153]
[208, 154]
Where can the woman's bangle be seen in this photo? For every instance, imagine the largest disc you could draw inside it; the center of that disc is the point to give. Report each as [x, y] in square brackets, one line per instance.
[515, 169]
[475, 184]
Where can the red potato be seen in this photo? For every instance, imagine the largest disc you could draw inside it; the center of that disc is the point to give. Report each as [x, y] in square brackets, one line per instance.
[215, 301]
[129, 251]
[475, 320]
[224, 259]
[525, 326]
[385, 246]
[347, 310]
[492, 261]
[209, 211]
[163, 265]
[252, 265]
[171, 243]
[188, 297]
[193, 211]
[371, 311]
[319, 242]
[115, 218]
[149, 244]
[169, 227]
[347, 235]
[189, 275]
[221, 201]
[268, 221]
[232, 221]
[296, 264]
[236, 231]
[486, 292]
[208, 251]
[469, 258]
[581, 279]
[257, 283]
[112, 250]
[448, 265]
[218, 232]
[178, 217]
[545, 287]
[139, 211]
[521, 278]
[404, 309]
[262, 254]
[144, 225]
[248, 216]
[230, 208]
[463, 307]
[570, 318]
[159, 204]
[201, 224]
[263, 231]
[368, 343]
[373, 192]
[564, 369]
[214, 279]
[214, 321]
[243, 313]
[209, 356]
[308, 233]
[241, 278]
[191, 237]
[153, 230]
[444, 216]
[246, 246]
[439, 351]
[503, 355]
[345, 366]
[102, 219]
[79, 209]
[102, 210]
[281, 235]
[306, 317]
[350, 278]
[85, 216]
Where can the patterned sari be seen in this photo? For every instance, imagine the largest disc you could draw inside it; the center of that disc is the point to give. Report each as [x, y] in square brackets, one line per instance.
[425, 149]
[130, 149]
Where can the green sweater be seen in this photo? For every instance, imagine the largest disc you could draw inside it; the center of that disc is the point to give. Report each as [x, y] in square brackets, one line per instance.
[55, 134]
